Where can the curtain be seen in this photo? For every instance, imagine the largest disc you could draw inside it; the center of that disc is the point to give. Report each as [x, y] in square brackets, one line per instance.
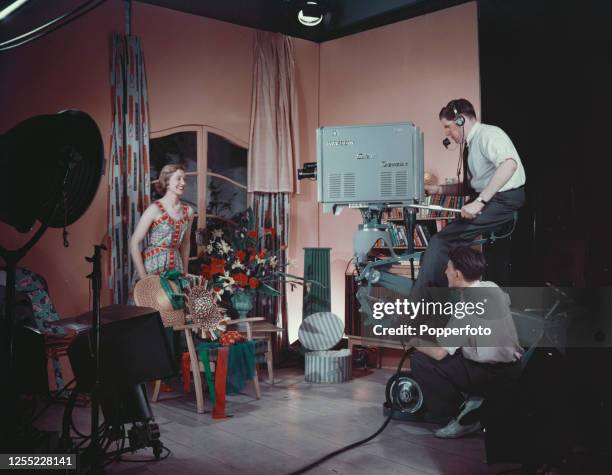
[273, 159]
[129, 181]
[272, 211]
[273, 156]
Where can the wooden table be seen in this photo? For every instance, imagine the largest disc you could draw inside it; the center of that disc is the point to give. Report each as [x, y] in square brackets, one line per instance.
[265, 330]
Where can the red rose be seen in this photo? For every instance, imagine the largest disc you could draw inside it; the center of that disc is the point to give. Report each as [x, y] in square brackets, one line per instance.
[241, 279]
[217, 266]
[253, 283]
[271, 231]
[252, 233]
[262, 253]
[240, 255]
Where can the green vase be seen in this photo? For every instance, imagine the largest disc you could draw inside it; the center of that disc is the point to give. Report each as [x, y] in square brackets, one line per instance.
[242, 303]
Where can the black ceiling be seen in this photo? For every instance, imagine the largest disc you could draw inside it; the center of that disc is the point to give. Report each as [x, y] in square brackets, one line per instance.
[344, 17]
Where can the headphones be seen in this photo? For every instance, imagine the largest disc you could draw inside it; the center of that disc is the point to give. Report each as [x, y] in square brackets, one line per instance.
[458, 118]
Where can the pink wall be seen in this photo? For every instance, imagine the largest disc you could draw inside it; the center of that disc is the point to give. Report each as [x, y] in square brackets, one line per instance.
[405, 71]
[198, 70]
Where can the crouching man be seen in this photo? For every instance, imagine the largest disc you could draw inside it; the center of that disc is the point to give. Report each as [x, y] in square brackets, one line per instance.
[456, 372]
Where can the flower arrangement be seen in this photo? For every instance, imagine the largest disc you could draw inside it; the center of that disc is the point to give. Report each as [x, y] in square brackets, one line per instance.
[234, 263]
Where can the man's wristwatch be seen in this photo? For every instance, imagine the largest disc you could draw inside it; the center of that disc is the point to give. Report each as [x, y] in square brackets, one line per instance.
[482, 200]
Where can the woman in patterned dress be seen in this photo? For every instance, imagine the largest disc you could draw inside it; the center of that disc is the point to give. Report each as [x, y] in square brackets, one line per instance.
[167, 226]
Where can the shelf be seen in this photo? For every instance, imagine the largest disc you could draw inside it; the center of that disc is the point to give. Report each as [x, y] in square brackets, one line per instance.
[422, 219]
[416, 248]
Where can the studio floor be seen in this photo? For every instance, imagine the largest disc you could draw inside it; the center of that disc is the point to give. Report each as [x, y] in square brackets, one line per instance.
[293, 424]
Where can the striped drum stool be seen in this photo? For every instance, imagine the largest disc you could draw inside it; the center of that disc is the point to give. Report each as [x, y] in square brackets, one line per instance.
[318, 333]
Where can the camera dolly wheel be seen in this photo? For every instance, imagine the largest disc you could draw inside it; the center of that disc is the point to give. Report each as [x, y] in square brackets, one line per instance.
[403, 394]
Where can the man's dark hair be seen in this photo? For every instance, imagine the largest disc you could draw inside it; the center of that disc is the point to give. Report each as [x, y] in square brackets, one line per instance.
[463, 107]
[469, 261]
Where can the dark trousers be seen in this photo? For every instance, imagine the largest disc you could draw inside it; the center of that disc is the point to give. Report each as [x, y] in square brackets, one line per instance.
[445, 382]
[463, 231]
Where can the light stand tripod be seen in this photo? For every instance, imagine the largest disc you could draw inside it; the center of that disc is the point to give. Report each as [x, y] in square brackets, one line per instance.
[119, 401]
[94, 454]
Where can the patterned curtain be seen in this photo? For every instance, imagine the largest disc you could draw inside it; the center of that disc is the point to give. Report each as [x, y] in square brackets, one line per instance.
[129, 179]
[272, 211]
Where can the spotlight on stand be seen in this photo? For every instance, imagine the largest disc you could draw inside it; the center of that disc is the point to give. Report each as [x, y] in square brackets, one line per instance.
[51, 168]
[311, 13]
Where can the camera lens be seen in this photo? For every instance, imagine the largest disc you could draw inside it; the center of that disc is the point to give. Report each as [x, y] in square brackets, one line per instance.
[309, 171]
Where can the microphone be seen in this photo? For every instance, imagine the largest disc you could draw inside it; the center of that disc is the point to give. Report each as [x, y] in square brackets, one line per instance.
[446, 142]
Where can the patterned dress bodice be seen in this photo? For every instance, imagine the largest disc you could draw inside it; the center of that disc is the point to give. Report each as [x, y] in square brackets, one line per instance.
[165, 237]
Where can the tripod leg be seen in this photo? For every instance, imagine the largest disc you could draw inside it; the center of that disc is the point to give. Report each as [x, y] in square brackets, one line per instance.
[67, 418]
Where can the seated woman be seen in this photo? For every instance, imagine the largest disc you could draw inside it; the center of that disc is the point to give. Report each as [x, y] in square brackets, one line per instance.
[166, 225]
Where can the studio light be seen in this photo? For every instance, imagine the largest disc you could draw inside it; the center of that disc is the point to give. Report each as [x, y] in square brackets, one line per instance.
[53, 165]
[311, 14]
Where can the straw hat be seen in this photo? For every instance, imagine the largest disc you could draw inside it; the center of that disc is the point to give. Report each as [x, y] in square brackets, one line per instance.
[148, 292]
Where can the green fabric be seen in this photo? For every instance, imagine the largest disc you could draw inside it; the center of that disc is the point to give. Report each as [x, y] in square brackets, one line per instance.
[177, 299]
[203, 353]
[261, 347]
[317, 298]
[240, 365]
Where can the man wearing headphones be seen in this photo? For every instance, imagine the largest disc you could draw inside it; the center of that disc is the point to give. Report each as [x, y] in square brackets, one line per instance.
[493, 177]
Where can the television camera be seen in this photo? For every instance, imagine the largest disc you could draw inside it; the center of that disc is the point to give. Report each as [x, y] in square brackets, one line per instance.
[373, 168]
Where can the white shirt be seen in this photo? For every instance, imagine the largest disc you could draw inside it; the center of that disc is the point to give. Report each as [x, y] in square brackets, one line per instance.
[503, 345]
[489, 147]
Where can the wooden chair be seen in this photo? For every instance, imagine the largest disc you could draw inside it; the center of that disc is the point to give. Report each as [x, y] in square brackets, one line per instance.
[188, 330]
[196, 364]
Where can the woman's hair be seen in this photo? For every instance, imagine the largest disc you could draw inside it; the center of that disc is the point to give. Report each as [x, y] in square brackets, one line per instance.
[462, 106]
[469, 261]
[164, 176]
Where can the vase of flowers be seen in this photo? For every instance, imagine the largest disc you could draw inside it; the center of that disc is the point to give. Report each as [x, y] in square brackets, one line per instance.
[238, 266]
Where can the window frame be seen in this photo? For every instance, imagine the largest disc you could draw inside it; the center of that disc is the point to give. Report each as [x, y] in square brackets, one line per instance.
[202, 132]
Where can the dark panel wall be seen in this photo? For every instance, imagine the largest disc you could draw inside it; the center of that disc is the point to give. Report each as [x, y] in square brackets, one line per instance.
[546, 79]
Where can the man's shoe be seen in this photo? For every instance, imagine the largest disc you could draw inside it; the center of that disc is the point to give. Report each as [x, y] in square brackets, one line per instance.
[465, 423]
[454, 430]
[469, 413]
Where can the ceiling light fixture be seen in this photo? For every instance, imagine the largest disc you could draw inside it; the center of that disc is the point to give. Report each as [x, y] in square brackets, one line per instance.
[311, 14]
[11, 8]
